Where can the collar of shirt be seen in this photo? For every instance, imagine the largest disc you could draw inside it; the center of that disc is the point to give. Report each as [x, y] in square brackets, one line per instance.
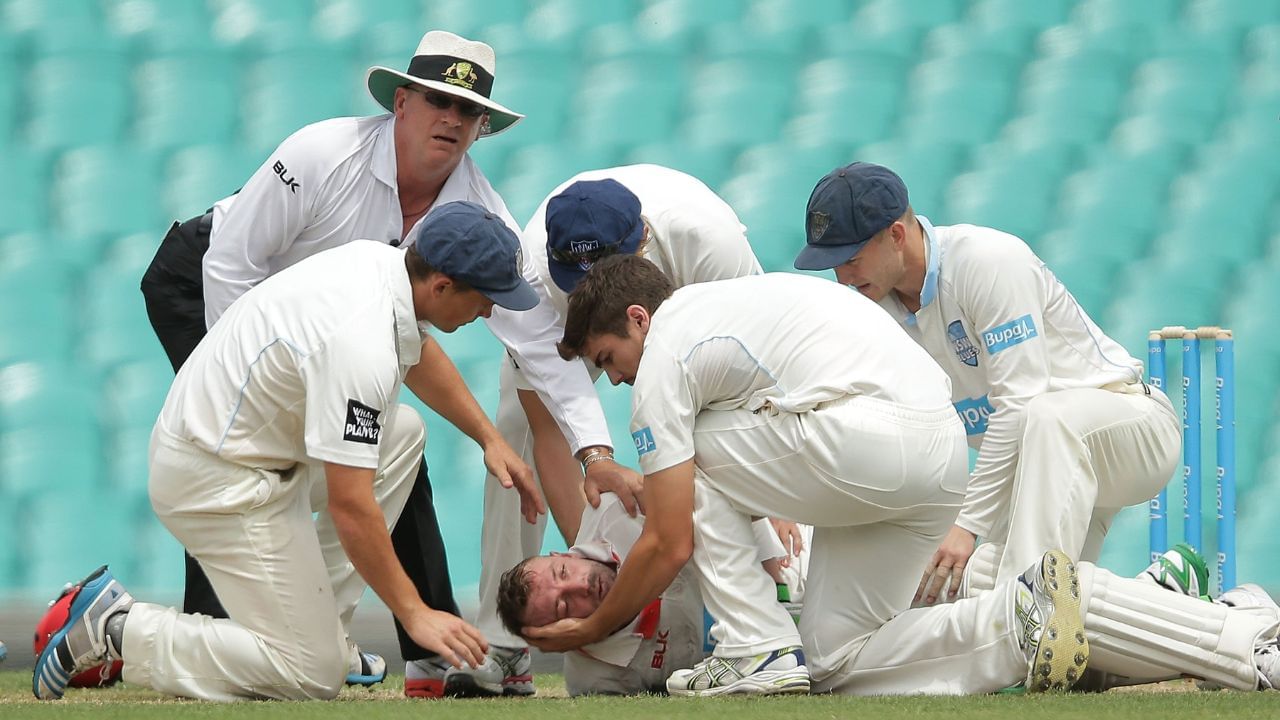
[933, 263]
[409, 332]
[383, 162]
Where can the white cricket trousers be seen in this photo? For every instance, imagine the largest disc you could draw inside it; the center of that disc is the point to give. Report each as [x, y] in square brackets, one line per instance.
[287, 585]
[1085, 454]
[505, 538]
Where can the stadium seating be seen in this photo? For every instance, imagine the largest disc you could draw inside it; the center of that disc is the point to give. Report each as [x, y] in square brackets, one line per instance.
[1131, 144]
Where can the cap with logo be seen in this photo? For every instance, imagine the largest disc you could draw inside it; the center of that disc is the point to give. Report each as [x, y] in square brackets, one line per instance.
[468, 243]
[449, 64]
[589, 220]
[847, 208]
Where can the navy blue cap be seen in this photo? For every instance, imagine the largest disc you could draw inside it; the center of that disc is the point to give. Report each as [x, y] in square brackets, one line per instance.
[468, 243]
[589, 220]
[847, 208]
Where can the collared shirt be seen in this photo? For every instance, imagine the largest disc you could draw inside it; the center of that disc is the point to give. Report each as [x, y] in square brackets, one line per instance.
[305, 366]
[327, 184]
[780, 341]
[694, 236]
[1005, 330]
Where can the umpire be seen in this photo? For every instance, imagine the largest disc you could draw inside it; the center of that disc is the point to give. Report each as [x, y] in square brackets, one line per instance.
[328, 184]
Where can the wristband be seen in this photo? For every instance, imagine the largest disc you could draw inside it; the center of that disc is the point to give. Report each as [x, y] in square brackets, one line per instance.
[595, 456]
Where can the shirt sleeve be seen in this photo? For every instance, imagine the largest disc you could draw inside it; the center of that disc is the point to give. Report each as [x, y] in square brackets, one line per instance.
[1003, 296]
[710, 248]
[351, 385]
[664, 405]
[262, 221]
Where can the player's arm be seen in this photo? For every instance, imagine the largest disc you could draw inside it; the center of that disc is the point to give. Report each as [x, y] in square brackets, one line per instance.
[437, 382]
[664, 546]
[560, 474]
[362, 530]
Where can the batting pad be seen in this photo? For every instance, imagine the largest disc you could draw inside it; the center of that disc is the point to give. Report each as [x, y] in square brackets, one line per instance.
[1149, 634]
[980, 573]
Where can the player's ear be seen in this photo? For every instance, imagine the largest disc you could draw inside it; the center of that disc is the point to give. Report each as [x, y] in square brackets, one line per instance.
[637, 315]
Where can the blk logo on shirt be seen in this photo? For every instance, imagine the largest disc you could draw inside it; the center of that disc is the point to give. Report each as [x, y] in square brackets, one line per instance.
[362, 423]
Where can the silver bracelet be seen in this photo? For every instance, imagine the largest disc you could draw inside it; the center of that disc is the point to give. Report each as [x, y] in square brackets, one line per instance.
[595, 456]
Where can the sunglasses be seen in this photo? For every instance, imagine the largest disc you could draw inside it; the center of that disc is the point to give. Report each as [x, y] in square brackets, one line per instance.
[441, 101]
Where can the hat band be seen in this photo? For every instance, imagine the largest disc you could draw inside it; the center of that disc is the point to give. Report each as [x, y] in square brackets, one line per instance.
[452, 71]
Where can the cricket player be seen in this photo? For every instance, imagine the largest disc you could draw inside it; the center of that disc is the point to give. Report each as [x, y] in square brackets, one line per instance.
[328, 184]
[798, 399]
[1066, 431]
[289, 406]
[548, 409]
[665, 636]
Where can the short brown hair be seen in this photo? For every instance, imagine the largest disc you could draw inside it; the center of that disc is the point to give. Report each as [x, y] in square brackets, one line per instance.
[513, 597]
[420, 269]
[599, 303]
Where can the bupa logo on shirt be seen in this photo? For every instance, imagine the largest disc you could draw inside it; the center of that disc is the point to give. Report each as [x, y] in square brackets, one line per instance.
[964, 349]
[643, 439]
[974, 413]
[1009, 334]
[362, 423]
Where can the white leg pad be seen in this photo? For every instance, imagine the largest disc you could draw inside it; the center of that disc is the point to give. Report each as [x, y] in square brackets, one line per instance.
[1147, 633]
[980, 573]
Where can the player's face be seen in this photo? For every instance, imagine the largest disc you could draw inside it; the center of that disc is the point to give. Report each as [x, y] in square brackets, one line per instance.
[876, 269]
[565, 586]
[459, 307]
[617, 356]
[435, 138]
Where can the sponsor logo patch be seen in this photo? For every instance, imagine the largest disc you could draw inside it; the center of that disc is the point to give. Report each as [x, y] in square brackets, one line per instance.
[643, 439]
[964, 349]
[974, 413]
[283, 173]
[1009, 334]
[362, 423]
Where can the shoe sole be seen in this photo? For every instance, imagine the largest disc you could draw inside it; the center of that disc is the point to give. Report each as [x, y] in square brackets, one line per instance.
[429, 688]
[366, 680]
[775, 682]
[55, 679]
[465, 686]
[1063, 653]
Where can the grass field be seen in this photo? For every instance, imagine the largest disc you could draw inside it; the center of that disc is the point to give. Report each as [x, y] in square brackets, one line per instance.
[1165, 702]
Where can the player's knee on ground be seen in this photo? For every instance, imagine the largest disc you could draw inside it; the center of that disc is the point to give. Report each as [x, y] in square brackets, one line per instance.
[320, 670]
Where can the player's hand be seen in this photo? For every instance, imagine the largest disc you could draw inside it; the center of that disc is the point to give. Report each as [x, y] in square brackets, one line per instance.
[791, 539]
[561, 635]
[608, 476]
[946, 568]
[450, 636]
[511, 471]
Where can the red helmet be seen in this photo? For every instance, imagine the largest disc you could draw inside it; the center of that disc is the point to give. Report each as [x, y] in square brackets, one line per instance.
[99, 676]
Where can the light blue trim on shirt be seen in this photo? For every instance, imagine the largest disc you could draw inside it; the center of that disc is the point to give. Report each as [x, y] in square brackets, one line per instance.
[745, 351]
[929, 292]
[249, 376]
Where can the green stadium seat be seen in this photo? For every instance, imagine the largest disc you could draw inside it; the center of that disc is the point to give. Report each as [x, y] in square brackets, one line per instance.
[128, 451]
[1124, 552]
[1167, 291]
[1019, 15]
[185, 99]
[1083, 89]
[24, 203]
[468, 19]
[74, 535]
[286, 91]
[1093, 237]
[731, 39]
[35, 306]
[157, 560]
[687, 18]
[1016, 199]
[856, 39]
[279, 25]
[1122, 46]
[161, 26]
[1234, 15]
[1129, 195]
[58, 461]
[567, 19]
[919, 16]
[1262, 44]
[738, 102]
[771, 203]
[199, 175]
[365, 18]
[46, 397]
[77, 98]
[849, 101]
[533, 171]
[798, 14]
[964, 39]
[58, 26]
[812, 160]
[105, 191]
[1088, 278]
[116, 330]
[637, 46]
[710, 164]
[1104, 14]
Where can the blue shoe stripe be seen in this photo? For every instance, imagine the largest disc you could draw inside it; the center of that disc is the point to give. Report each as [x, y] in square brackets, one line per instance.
[47, 665]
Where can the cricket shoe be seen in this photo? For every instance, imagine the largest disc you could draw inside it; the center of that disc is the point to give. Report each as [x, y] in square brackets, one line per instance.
[1179, 569]
[772, 673]
[1267, 657]
[365, 668]
[425, 678]
[1047, 610]
[1252, 599]
[505, 671]
[81, 641]
[104, 675]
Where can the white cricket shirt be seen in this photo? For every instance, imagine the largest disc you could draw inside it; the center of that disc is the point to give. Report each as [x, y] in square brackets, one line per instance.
[1005, 330]
[788, 342]
[694, 237]
[327, 184]
[305, 366]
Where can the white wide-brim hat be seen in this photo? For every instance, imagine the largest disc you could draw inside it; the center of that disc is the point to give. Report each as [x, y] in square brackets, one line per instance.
[450, 64]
